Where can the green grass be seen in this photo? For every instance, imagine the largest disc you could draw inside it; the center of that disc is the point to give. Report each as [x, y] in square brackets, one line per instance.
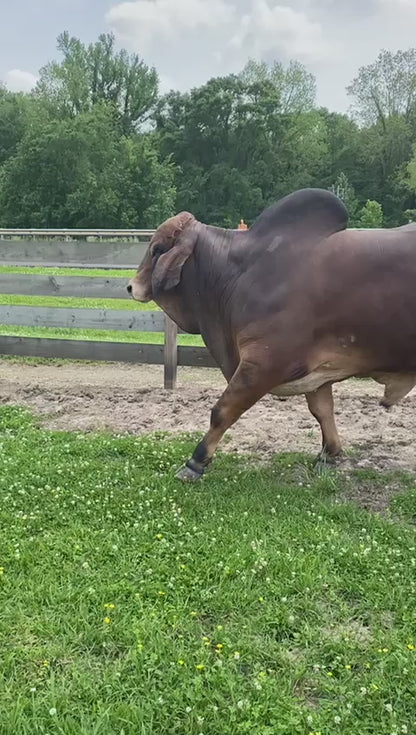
[76, 303]
[252, 604]
[46, 271]
[155, 338]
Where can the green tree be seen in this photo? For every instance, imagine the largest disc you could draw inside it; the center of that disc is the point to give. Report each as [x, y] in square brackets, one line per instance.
[256, 129]
[14, 119]
[370, 216]
[80, 172]
[294, 86]
[386, 88]
[384, 101]
[344, 191]
[96, 73]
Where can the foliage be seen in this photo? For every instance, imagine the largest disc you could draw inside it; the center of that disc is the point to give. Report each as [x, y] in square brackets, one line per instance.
[95, 144]
[88, 75]
[80, 171]
[344, 191]
[386, 88]
[241, 141]
[371, 215]
[264, 607]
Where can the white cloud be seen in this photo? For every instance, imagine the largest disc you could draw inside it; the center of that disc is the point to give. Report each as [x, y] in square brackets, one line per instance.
[190, 41]
[269, 28]
[141, 23]
[20, 81]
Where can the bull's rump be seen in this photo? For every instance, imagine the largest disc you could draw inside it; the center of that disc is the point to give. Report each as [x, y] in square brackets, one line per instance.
[351, 310]
[362, 296]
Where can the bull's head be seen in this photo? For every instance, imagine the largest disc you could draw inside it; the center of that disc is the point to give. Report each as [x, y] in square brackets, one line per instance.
[169, 249]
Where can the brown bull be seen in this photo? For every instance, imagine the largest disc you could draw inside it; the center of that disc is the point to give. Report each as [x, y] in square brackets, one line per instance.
[291, 306]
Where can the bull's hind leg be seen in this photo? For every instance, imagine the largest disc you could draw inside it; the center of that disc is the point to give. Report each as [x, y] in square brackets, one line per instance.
[245, 388]
[321, 406]
[397, 386]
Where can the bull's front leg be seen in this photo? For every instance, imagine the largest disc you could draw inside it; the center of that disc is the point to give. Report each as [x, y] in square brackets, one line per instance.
[248, 384]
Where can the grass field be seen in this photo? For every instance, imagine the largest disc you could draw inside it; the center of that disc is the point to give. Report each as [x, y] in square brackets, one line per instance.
[253, 604]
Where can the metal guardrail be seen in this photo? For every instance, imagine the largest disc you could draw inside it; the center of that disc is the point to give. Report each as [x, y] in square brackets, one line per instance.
[11, 232]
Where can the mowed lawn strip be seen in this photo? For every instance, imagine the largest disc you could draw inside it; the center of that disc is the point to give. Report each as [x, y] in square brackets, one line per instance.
[62, 271]
[107, 335]
[252, 603]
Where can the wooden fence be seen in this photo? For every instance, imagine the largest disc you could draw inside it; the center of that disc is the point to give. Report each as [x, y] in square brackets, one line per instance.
[55, 249]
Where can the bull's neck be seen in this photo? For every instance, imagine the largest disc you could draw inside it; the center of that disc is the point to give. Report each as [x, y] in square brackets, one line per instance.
[214, 262]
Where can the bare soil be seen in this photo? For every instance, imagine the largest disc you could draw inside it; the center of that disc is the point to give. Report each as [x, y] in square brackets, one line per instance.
[129, 398]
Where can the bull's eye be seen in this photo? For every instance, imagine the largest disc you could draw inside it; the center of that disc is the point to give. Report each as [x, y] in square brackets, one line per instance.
[157, 252]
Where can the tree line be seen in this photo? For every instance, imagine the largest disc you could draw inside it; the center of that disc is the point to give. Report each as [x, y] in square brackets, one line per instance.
[96, 145]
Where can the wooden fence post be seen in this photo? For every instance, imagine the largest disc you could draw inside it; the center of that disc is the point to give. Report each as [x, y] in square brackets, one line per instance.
[170, 353]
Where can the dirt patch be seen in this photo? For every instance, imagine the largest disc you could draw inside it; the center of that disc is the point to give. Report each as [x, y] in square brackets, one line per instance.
[354, 630]
[130, 399]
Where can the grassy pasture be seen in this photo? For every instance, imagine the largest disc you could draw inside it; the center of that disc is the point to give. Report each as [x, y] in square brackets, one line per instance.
[257, 602]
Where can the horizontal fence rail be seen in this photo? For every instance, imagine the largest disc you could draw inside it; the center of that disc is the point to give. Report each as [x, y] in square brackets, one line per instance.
[78, 318]
[69, 233]
[59, 249]
[94, 287]
[72, 254]
[73, 349]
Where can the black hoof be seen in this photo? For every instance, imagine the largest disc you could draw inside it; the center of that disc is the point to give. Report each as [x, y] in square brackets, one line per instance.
[187, 474]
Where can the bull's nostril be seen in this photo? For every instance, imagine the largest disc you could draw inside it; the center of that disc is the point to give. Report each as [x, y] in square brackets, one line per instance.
[129, 288]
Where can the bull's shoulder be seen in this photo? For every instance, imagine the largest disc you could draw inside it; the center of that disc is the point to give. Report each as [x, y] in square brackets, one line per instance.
[306, 216]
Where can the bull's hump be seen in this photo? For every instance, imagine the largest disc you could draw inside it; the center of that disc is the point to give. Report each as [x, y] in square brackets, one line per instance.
[306, 215]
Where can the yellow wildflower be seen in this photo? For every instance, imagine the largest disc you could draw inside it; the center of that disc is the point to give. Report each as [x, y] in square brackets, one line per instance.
[348, 667]
[159, 536]
[219, 646]
[329, 673]
[200, 667]
[107, 621]
[46, 663]
[410, 646]
[1, 570]
[161, 593]
[181, 662]
[109, 606]
[193, 614]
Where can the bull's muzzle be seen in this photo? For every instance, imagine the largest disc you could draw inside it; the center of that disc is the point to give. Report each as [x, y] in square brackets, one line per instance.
[139, 290]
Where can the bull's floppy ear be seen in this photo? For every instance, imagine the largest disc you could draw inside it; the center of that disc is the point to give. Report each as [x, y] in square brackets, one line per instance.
[168, 269]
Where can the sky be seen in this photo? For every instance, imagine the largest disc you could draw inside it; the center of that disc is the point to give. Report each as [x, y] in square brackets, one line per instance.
[190, 41]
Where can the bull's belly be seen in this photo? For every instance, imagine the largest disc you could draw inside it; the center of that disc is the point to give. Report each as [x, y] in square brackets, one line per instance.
[311, 382]
[397, 385]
